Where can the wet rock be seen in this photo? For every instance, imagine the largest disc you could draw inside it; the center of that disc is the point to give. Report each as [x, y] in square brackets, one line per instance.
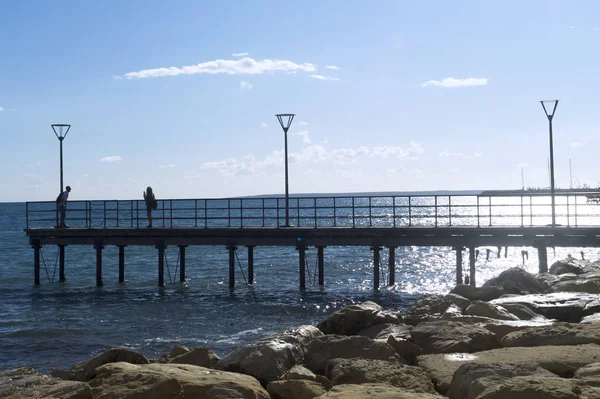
[579, 285]
[295, 389]
[27, 383]
[556, 334]
[85, 371]
[385, 330]
[302, 373]
[458, 300]
[351, 319]
[170, 381]
[374, 391]
[406, 349]
[485, 293]
[201, 356]
[269, 358]
[500, 328]
[479, 308]
[448, 337]
[427, 307]
[591, 319]
[325, 348]
[516, 281]
[569, 265]
[522, 311]
[365, 371]
[560, 360]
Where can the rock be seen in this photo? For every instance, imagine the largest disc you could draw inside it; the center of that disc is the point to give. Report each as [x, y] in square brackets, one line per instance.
[485, 293]
[556, 334]
[468, 319]
[269, 358]
[85, 371]
[591, 319]
[295, 389]
[176, 351]
[374, 391]
[479, 308]
[448, 337]
[516, 281]
[124, 380]
[521, 311]
[27, 383]
[302, 373]
[365, 371]
[471, 379]
[532, 388]
[385, 330]
[579, 285]
[427, 307]
[325, 348]
[560, 360]
[201, 356]
[405, 349]
[353, 318]
[591, 370]
[458, 300]
[502, 327]
[566, 266]
[562, 306]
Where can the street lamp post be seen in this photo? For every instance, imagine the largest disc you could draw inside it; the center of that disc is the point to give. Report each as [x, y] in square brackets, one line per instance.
[61, 130]
[285, 120]
[550, 117]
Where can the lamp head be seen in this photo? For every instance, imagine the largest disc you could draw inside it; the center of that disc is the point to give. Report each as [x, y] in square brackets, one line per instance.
[549, 102]
[61, 130]
[285, 120]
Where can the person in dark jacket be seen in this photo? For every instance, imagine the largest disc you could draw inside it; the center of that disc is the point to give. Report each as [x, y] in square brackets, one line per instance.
[151, 204]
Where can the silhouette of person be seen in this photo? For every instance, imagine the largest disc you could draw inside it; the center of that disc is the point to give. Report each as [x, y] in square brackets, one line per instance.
[151, 203]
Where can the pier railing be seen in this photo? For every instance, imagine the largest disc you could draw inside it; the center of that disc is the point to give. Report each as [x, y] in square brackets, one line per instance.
[572, 210]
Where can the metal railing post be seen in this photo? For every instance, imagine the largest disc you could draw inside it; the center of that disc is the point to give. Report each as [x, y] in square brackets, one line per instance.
[449, 211]
[195, 213]
[334, 213]
[353, 213]
[104, 202]
[435, 205]
[370, 214]
[171, 212]
[478, 215]
[315, 210]
[117, 213]
[522, 216]
[394, 211]
[241, 212]
[490, 205]
[205, 213]
[409, 211]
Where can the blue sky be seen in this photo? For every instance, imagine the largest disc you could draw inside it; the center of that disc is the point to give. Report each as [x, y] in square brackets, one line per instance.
[389, 96]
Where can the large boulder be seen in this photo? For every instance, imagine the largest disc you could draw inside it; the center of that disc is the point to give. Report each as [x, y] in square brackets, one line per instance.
[569, 265]
[480, 308]
[405, 348]
[365, 371]
[85, 371]
[427, 307]
[591, 286]
[522, 311]
[176, 351]
[295, 389]
[471, 379]
[385, 330]
[449, 337]
[556, 334]
[170, 381]
[560, 360]
[201, 356]
[269, 358]
[27, 383]
[485, 293]
[458, 300]
[302, 373]
[374, 391]
[591, 370]
[500, 328]
[351, 319]
[591, 319]
[516, 281]
[536, 387]
[325, 348]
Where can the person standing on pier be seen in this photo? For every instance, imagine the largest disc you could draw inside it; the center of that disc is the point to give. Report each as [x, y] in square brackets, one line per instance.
[62, 206]
[151, 203]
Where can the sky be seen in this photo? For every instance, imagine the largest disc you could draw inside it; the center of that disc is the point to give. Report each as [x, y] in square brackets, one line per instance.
[388, 96]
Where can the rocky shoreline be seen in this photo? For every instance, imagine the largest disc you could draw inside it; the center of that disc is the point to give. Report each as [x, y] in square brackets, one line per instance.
[517, 336]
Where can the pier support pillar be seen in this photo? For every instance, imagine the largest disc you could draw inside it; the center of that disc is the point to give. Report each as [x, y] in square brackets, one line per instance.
[376, 262]
[121, 263]
[321, 265]
[250, 264]
[302, 265]
[161, 263]
[506, 252]
[61, 263]
[99, 247]
[182, 263]
[543, 258]
[36, 261]
[231, 249]
[459, 261]
[472, 265]
[392, 266]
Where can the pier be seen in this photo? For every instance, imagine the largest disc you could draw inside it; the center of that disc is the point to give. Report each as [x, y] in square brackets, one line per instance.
[374, 222]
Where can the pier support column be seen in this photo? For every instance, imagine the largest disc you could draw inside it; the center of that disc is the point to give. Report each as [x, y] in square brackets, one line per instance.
[61, 263]
[161, 263]
[392, 266]
[36, 261]
[182, 263]
[250, 264]
[459, 261]
[321, 266]
[376, 262]
[99, 247]
[506, 252]
[472, 265]
[302, 265]
[121, 263]
[543, 258]
[231, 249]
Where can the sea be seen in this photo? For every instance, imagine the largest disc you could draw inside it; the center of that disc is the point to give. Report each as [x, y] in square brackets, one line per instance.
[56, 325]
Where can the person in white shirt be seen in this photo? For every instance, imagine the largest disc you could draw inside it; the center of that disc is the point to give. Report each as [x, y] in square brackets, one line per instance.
[62, 206]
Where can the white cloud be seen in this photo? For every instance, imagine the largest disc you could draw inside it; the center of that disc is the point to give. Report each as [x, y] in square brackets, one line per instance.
[333, 67]
[193, 177]
[245, 85]
[303, 123]
[575, 144]
[113, 158]
[239, 54]
[452, 82]
[166, 166]
[321, 77]
[571, 27]
[413, 151]
[264, 124]
[595, 28]
[243, 66]
[304, 135]
[1, 109]
[460, 154]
